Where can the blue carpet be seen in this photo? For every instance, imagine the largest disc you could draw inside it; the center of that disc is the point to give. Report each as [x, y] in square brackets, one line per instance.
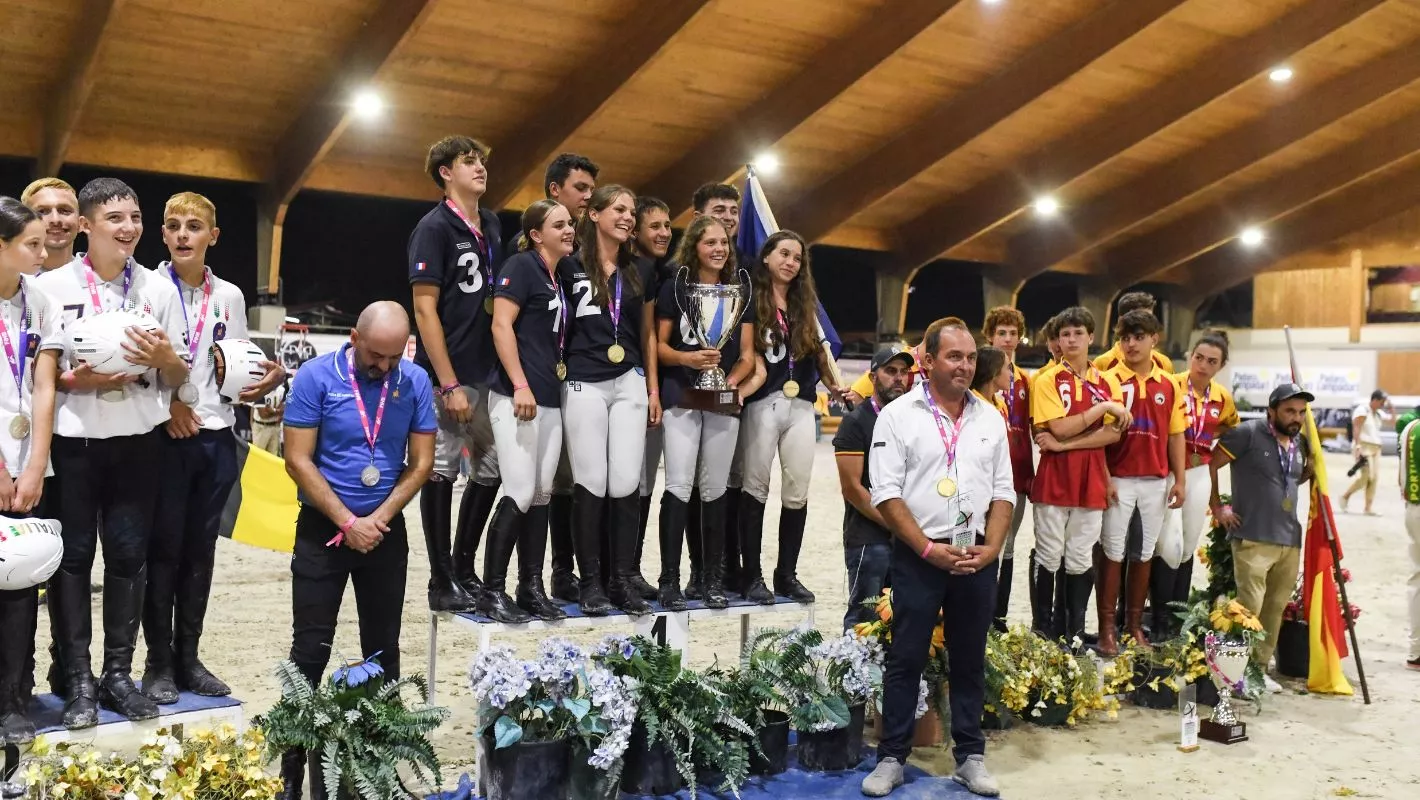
[48, 709]
[574, 611]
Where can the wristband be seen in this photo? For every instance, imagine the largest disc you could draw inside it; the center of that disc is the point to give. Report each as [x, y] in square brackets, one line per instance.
[926, 551]
[448, 389]
[339, 538]
[519, 386]
[653, 393]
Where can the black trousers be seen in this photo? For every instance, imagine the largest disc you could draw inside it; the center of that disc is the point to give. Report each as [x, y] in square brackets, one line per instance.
[967, 603]
[197, 476]
[318, 578]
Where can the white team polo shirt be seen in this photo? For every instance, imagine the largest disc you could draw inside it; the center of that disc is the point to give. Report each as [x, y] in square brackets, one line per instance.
[83, 415]
[907, 459]
[43, 332]
[226, 319]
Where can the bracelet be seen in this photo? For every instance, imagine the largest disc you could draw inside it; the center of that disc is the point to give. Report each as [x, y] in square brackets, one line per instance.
[448, 389]
[339, 538]
[653, 393]
[926, 551]
[519, 386]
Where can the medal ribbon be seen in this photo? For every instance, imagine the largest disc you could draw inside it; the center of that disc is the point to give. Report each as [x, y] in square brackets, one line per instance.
[371, 436]
[1198, 413]
[877, 408]
[616, 310]
[1011, 398]
[485, 249]
[94, 286]
[556, 287]
[1286, 459]
[949, 442]
[194, 337]
[788, 346]
[1095, 391]
[17, 363]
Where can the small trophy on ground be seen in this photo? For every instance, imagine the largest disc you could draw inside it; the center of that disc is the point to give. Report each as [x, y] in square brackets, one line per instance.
[1227, 665]
[713, 311]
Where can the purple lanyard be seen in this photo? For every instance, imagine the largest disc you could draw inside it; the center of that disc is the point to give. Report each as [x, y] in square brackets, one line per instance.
[949, 442]
[371, 436]
[1285, 460]
[194, 336]
[616, 310]
[556, 287]
[788, 346]
[94, 286]
[873, 401]
[17, 362]
[484, 248]
[1199, 413]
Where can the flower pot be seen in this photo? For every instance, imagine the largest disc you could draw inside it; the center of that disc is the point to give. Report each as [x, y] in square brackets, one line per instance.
[774, 741]
[1294, 649]
[526, 769]
[926, 732]
[992, 721]
[589, 783]
[648, 769]
[1053, 715]
[835, 750]
[1162, 698]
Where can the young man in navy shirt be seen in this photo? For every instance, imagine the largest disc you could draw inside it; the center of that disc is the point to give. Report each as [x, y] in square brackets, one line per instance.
[350, 417]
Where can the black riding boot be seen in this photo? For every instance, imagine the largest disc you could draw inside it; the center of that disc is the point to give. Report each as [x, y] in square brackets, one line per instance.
[497, 551]
[1043, 601]
[560, 520]
[672, 532]
[123, 609]
[1003, 592]
[293, 774]
[588, 512]
[623, 554]
[19, 611]
[1161, 586]
[160, 668]
[695, 587]
[1183, 581]
[732, 573]
[791, 541]
[436, 501]
[532, 548]
[751, 537]
[474, 510]
[1077, 600]
[713, 534]
[73, 629]
[193, 591]
[638, 581]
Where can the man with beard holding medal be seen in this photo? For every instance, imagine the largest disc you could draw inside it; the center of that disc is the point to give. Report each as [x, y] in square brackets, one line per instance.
[941, 472]
[1269, 460]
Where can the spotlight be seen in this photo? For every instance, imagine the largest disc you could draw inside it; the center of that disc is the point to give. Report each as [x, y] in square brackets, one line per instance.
[1251, 237]
[766, 163]
[1280, 75]
[367, 104]
[1046, 206]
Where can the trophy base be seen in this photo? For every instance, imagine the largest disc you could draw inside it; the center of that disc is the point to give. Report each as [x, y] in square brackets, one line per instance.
[715, 402]
[1222, 734]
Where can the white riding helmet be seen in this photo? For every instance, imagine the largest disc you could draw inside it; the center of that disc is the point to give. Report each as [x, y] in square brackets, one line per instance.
[97, 340]
[237, 365]
[30, 550]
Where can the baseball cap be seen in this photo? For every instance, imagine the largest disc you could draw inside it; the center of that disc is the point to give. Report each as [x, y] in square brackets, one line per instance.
[1287, 391]
[887, 354]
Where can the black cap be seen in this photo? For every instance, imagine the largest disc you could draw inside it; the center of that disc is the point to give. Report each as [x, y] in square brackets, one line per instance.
[1287, 391]
[1380, 394]
[887, 354]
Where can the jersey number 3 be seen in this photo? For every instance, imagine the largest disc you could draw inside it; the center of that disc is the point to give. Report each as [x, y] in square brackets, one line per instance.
[472, 281]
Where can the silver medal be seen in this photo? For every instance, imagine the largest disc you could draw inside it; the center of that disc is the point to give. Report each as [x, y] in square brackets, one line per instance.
[370, 475]
[112, 395]
[187, 393]
[19, 427]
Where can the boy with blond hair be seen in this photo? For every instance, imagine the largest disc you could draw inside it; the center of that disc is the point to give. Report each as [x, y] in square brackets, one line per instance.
[57, 204]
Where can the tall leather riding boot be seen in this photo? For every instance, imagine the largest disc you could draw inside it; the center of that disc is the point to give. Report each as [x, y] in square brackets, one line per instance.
[1138, 592]
[503, 531]
[1043, 601]
[72, 626]
[565, 586]
[160, 668]
[532, 548]
[588, 512]
[1003, 592]
[193, 591]
[1077, 600]
[751, 539]
[18, 613]
[791, 542]
[1183, 581]
[712, 548]
[123, 610]
[436, 501]
[672, 532]
[1059, 621]
[733, 574]
[638, 581]
[623, 554]
[1106, 604]
[474, 510]
[293, 774]
[695, 587]
[1162, 578]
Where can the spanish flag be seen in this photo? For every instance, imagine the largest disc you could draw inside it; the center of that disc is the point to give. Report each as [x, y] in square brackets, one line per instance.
[261, 510]
[1320, 598]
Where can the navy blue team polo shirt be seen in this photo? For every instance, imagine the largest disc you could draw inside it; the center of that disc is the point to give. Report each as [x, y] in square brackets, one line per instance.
[320, 398]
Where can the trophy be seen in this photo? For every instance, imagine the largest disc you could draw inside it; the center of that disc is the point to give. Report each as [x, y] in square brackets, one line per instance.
[1227, 665]
[713, 312]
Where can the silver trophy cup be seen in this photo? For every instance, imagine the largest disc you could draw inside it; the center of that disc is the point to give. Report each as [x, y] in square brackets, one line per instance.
[1227, 665]
[713, 311]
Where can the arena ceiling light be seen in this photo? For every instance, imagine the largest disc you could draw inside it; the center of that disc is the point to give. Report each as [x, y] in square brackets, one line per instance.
[766, 163]
[1280, 75]
[1046, 206]
[1251, 236]
[367, 104]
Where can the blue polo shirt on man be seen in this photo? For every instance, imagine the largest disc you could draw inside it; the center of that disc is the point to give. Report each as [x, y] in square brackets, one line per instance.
[320, 398]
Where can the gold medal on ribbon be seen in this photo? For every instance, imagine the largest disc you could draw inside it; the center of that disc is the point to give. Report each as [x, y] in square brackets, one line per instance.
[616, 354]
[488, 306]
[791, 389]
[1288, 505]
[1195, 460]
[561, 370]
[946, 487]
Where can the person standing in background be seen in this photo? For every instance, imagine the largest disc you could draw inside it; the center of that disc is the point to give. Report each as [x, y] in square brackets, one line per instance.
[1410, 493]
[1366, 444]
[1003, 329]
[57, 205]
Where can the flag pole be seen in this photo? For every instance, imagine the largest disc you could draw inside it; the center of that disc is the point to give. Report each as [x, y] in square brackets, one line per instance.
[1328, 525]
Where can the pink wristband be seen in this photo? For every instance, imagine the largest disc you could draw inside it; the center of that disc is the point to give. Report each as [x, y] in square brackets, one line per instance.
[928, 549]
[519, 386]
[339, 538]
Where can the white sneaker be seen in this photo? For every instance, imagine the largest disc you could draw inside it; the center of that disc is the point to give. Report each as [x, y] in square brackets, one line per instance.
[972, 774]
[885, 777]
[1271, 685]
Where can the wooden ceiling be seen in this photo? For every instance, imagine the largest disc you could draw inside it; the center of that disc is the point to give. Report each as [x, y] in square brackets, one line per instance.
[921, 127]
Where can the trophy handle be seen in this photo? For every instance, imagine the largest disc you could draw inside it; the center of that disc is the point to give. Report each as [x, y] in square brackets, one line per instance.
[748, 283]
[682, 278]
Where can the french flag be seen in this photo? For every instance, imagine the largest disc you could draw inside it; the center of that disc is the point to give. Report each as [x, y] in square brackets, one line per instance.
[420, 266]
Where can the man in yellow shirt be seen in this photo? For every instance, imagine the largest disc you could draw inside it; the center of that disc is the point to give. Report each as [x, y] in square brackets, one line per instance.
[1113, 357]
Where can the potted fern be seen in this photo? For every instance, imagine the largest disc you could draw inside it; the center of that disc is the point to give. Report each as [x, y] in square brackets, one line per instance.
[681, 719]
[357, 728]
[752, 698]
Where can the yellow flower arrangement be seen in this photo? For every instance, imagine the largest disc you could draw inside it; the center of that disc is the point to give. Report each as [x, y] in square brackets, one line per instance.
[1230, 616]
[1036, 679]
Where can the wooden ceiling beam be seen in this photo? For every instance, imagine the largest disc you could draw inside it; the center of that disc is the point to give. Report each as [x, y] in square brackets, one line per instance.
[829, 73]
[1159, 188]
[578, 98]
[1355, 208]
[70, 94]
[969, 114]
[1055, 164]
[315, 131]
[1188, 237]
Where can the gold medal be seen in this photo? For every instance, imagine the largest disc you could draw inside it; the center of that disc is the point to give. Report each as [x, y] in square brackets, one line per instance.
[1288, 505]
[791, 388]
[616, 354]
[19, 427]
[946, 487]
[488, 306]
[1195, 460]
[561, 371]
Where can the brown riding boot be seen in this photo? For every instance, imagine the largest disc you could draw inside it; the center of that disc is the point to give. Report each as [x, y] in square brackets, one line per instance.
[1137, 592]
[1106, 602]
